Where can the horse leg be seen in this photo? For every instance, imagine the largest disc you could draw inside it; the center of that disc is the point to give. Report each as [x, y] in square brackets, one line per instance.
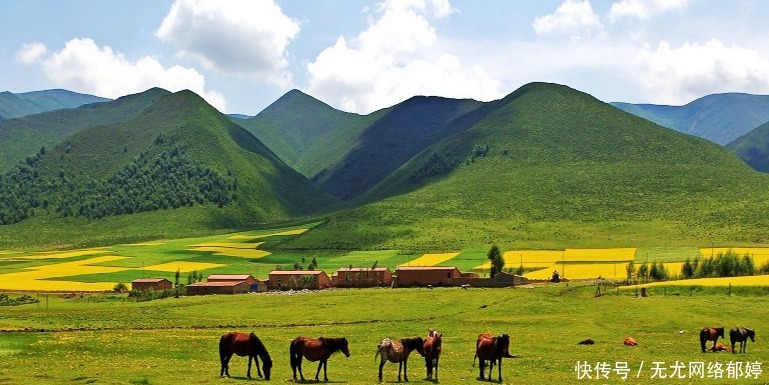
[256, 363]
[325, 370]
[480, 366]
[436, 368]
[491, 368]
[381, 365]
[225, 363]
[429, 366]
[702, 343]
[400, 366]
[299, 366]
[405, 370]
[499, 369]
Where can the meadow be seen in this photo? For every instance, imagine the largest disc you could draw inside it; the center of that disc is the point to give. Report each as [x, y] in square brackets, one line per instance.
[110, 340]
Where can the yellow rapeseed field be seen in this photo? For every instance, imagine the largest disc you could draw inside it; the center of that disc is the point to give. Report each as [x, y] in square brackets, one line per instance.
[233, 252]
[40, 277]
[617, 254]
[233, 245]
[287, 232]
[545, 258]
[182, 266]
[66, 254]
[430, 259]
[608, 270]
[760, 254]
[755, 280]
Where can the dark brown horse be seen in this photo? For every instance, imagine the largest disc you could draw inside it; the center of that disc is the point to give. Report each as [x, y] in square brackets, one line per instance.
[432, 349]
[315, 349]
[741, 335]
[398, 352]
[243, 345]
[710, 334]
[492, 349]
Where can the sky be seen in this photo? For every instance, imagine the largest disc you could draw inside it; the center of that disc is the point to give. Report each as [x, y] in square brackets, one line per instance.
[360, 56]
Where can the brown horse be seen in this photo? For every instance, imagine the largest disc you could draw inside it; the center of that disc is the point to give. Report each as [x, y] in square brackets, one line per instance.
[315, 349]
[710, 334]
[243, 345]
[492, 349]
[741, 335]
[432, 349]
[398, 352]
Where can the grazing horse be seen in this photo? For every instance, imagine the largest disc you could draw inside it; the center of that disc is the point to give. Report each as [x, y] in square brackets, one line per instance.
[432, 348]
[398, 351]
[315, 349]
[244, 344]
[492, 349]
[710, 334]
[741, 335]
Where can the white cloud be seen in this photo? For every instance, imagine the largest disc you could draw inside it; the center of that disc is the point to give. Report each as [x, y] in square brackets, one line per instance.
[398, 56]
[243, 37]
[85, 67]
[678, 75]
[571, 16]
[31, 53]
[643, 9]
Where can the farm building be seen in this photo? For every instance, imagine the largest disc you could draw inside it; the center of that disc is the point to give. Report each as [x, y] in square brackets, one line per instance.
[299, 279]
[254, 284]
[147, 284]
[426, 275]
[362, 277]
[500, 280]
[224, 287]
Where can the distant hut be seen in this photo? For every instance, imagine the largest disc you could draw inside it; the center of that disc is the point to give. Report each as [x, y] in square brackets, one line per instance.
[362, 277]
[252, 282]
[223, 287]
[426, 275]
[299, 279]
[147, 284]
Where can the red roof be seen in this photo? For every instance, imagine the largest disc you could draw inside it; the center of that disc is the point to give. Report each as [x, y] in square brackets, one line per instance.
[216, 284]
[363, 269]
[231, 277]
[149, 280]
[427, 268]
[297, 272]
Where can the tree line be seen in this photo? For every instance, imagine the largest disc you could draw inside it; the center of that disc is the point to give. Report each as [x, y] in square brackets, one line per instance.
[165, 180]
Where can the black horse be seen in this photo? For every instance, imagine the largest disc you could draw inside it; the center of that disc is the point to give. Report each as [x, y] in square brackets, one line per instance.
[244, 344]
[741, 335]
[710, 334]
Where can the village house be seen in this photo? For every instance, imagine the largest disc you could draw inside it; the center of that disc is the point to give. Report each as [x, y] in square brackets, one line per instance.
[299, 279]
[426, 275]
[147, 284]
[222, 287]
[362, 277]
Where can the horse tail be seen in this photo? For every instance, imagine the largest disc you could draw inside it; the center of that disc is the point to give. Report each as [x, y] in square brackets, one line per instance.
[292, 351]
[224, 349]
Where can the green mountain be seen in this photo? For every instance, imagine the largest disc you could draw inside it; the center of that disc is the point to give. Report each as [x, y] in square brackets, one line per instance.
[306, 133]
[549, 166]
[720, 118]
[753, 148]
[177, 168]
[28, 103]
[25, 136]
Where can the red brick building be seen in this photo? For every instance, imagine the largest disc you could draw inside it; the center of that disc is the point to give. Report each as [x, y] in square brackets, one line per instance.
[232, 277]
[362, 277]
[147, 284]
[426, 275]
[223, 287]
[299, 279]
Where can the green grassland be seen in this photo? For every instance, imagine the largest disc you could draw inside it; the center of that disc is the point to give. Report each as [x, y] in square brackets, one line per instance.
[87, 340]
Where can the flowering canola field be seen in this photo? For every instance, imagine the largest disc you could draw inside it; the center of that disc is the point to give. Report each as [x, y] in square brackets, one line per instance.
[430, 259]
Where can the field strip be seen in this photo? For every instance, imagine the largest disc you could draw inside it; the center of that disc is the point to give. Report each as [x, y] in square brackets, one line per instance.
[66, 254]
[231, 252]
[158, 243]
[754, 280]
[38, 278]
[430, 259]
[287, 232]
[232, 245]
[184, 267]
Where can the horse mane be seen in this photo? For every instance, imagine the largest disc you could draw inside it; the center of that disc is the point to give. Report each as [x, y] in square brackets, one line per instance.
[333, 344]
[260, 349]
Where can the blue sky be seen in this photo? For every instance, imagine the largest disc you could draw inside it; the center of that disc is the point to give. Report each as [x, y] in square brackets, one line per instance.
[361, 56]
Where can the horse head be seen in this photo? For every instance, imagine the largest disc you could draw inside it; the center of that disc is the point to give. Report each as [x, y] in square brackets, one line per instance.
[503, 346]
[344, 347]
[751, 334]
[720, 331]
[419, 346]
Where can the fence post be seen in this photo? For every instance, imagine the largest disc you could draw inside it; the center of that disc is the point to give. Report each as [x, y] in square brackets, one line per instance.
[730, 289]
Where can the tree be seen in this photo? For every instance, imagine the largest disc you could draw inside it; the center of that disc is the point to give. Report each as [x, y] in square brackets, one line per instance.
[630, 271]
[643, 272]
[497, 262]
[687, 271]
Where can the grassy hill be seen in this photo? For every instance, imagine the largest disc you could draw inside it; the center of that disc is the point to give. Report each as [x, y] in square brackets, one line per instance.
[549, 166]
[28, 103]
[23, 137]
[753, 148]
[720, 118]
[307, 134]
[178, 168]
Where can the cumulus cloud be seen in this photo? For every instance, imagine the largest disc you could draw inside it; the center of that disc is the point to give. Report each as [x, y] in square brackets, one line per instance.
[83, 66]
[643, 9]
[398, 56]
[678, 75]
[242, 37]
[31, 53]
[571, 16]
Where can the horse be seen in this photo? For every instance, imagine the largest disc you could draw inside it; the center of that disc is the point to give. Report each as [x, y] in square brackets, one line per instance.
[741, 335]
[710, 334]
[630, 341]
[244, 344]
[432, 348]
[719, 347]
[315, 349]
[492, 349]
[398, 351]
